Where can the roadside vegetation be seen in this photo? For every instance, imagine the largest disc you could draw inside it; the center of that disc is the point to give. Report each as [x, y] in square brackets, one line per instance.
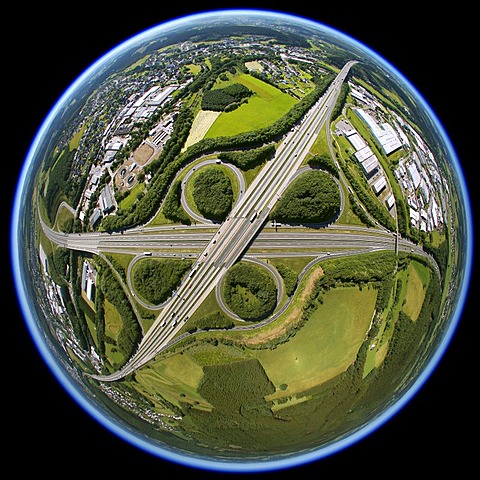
[172, 208]
[247, 159]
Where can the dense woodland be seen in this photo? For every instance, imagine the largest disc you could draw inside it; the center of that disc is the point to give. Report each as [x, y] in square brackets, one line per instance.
[313, 197]
[247, 159]
[172, 208]
[225, 99]
[249, 291]
[155, 279]
[213, 193]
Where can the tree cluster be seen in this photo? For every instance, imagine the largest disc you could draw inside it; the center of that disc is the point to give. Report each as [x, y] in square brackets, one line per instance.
[290, 278]
[313, 197]
[58, 187]
[359, 211]
[249, 291]
[130, 334]
[213, 320]
[225, 99]
[247, 159]
[212, 193]
[172, 208]
[324, 162]
[155, 279]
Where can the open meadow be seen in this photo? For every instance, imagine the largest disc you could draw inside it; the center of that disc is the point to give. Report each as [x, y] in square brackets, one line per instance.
[266, 106]
[325, 346]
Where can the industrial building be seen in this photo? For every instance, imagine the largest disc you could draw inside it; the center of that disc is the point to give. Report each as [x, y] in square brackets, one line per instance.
[89, 278]
[106, 201]
[379, 184]
[383, 132]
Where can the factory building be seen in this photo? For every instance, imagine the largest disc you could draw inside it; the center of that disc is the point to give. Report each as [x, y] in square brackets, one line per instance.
[383, 132]
[107, 204]
[379, 184]
[370, 166]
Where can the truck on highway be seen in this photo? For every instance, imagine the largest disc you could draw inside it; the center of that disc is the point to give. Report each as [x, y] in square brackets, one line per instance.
[147, 254]
[253, 216]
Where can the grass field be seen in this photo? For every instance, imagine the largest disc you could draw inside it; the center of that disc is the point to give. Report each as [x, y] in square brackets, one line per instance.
[266, 106]
[412, 283]
[63, 215]
[131, 198]
[176, 378]
[325, 346]
[418, 280]
[75, 141]
[202, 123]
[113, 320]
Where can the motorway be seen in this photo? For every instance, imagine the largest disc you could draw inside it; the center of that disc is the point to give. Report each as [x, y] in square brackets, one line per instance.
[217, 247]
[186, 244]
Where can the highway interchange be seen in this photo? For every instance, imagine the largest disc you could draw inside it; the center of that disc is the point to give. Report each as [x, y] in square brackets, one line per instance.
[214, 248]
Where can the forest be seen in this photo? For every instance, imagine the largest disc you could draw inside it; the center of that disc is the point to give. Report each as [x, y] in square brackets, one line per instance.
[249, 291]
[155, 279]
[313, 197]
[212, 193]
[172, 208]
[246, 159]
[225, 99]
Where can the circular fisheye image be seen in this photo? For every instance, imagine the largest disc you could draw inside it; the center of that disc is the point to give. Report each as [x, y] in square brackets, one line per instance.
[241, 240]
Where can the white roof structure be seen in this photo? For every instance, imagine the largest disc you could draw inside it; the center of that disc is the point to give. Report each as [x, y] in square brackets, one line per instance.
[379, 184]
[363, 154]
[384, 132]
[142, 99]
[161, 96]
[415, 216]
[106, 199]
[114, 146]
[414, 174]
[370, 164]
[390, 201]
[356, 140]
[43, 259]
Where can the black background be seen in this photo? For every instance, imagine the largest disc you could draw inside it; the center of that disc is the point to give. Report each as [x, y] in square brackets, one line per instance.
[49, 48]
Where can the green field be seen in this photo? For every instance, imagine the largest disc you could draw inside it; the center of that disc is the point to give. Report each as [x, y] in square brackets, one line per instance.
[176, 378]
[131, 198]
[267, 105]
[113, 321]
[325, 346]
[408, 296]
[418, 279]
